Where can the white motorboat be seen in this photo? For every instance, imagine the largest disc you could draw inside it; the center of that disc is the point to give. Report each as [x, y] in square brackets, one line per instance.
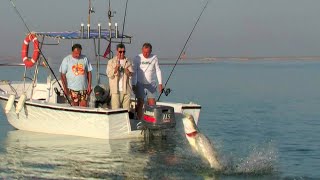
[45, 113]
[38, 107]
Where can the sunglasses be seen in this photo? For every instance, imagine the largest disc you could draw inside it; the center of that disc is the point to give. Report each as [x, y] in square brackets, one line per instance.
[122, 52]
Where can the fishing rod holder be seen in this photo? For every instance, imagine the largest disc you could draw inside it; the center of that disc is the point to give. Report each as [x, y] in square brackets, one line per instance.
[88, 30]
[99, 31]
[116, 30]
[110, 30]
[82, 30]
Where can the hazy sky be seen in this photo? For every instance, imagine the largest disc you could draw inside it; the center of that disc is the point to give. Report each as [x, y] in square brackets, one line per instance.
[227, 27]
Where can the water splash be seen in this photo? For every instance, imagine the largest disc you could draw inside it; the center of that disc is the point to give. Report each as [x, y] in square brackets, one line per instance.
[261, 160]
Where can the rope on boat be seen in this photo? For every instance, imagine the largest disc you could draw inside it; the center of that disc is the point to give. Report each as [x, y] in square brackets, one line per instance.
[9, 84]
[44, 58]
[182, 50]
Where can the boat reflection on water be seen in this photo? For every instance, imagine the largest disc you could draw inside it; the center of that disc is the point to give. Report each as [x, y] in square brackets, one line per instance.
[29, 155]
[39, 155]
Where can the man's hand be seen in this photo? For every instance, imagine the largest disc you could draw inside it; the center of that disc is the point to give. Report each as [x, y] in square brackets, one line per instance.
[128, 73]
[116, 69]
[160, 88]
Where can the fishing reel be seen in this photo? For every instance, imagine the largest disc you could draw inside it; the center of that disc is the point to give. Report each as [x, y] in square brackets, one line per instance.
[111, 13]
[166, 91]
[121, 69]
[91, 10]
[57, 91]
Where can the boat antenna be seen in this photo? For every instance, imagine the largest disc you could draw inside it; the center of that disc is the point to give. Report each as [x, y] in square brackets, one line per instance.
[182, 50]
[44, 58]
[124, 21]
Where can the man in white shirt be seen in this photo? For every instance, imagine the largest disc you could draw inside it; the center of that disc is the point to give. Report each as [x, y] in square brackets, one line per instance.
[145, 67]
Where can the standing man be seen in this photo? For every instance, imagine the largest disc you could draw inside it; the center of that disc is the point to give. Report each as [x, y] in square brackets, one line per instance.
[119, 71]
[146, 66]
[76, 76]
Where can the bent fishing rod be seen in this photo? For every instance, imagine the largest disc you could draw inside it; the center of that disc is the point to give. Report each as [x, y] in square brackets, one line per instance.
[44, 58]
[182, 50]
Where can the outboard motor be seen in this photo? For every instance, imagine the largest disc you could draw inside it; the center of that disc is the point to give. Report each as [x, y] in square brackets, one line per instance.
[158, 121]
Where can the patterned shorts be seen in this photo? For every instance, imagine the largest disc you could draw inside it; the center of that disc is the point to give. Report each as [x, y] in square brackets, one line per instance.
[77, 96]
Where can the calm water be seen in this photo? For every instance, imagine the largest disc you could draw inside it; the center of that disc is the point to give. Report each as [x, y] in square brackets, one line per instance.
[263, 117]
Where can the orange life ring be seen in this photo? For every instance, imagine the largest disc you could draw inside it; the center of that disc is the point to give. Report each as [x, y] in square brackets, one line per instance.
[25, 48]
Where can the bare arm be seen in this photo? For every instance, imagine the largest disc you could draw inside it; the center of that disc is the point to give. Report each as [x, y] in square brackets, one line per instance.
[159, 74]
[89, 76]
[134, 71]
[64, 83]
[134, 74]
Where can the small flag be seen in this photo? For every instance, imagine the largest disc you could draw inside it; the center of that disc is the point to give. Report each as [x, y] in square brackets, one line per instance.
[108, 50]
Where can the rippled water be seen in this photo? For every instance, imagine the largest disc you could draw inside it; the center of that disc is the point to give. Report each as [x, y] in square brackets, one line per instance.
[262, 117]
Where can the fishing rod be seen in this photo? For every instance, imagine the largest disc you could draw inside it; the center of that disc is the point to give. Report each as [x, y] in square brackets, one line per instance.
[44, 58]
[91, 10]
[124, 20]
[179, 57]
[110, 15]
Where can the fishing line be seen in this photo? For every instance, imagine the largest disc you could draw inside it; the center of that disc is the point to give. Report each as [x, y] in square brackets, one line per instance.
[15, 8]
[124, 21]
[179, 57]
[44, 58]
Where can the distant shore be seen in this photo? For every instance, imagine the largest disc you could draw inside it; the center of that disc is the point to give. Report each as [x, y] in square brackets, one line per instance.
[240, 58]
[169, 60]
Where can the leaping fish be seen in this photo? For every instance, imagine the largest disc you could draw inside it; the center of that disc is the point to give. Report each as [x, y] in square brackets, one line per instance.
[200, 143]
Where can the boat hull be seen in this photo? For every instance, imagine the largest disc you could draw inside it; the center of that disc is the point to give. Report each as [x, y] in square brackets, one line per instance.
[46, 115]
[36, 118]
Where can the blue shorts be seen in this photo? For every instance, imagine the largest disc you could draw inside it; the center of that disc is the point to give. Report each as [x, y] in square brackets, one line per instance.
[144, 90]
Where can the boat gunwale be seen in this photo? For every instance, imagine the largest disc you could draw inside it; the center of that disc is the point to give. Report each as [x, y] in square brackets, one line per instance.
[43, 104]
[86, 110]
[71, 108]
